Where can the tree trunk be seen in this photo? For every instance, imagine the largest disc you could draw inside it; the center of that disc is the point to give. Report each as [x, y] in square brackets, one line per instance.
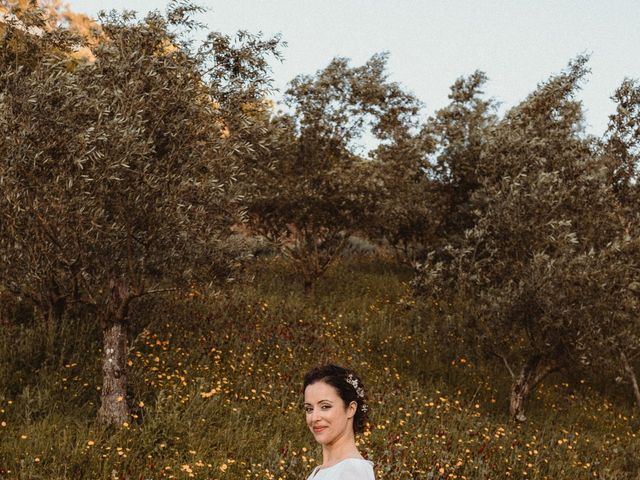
[55, 310]
[532, 373]
[114, 409]
[54, 304]
[309, 285]
[628, 368]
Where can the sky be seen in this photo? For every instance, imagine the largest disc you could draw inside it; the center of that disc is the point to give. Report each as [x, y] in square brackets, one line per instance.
[517, 43]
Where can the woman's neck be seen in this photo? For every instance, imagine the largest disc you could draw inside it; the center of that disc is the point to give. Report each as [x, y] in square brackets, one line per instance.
[342, 448]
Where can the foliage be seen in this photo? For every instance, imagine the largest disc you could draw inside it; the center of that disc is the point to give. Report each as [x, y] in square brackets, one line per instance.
[426, 179]
[312, 190]
[620, 152]
[45, 16]
[622, 142]
[545, 282]
[459, 132]
[25, 49]
[409, 203]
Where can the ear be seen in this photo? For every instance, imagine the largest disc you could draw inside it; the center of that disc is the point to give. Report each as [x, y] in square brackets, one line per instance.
[351, 409]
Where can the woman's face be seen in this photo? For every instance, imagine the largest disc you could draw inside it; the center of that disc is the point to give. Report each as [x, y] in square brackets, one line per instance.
[326, 414]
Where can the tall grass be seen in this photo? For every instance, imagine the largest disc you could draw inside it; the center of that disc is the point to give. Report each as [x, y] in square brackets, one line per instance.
[215, 392]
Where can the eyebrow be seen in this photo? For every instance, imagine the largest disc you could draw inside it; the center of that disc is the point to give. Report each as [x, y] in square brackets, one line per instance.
[319, 401]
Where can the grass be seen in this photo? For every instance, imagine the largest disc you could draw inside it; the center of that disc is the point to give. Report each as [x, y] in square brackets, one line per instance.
[215, 389]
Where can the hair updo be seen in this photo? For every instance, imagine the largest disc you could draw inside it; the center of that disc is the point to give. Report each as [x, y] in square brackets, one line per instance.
[337, 377]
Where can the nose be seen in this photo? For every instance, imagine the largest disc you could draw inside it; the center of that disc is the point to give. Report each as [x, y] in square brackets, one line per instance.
[314, 416]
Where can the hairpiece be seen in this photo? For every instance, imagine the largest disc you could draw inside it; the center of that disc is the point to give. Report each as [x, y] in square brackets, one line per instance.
[354, 383]
[359, 391]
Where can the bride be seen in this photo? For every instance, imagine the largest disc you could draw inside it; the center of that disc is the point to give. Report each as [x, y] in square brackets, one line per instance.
[335, 410]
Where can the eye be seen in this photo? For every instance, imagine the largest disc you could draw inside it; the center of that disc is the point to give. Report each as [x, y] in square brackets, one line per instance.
[325, 407]
[308, 409]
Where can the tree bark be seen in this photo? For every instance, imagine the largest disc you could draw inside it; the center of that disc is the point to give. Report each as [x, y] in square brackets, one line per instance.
[532, 373]
[628, 368]
[114, 409]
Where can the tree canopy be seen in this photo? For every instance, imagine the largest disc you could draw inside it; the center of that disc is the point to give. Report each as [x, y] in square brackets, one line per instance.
[313, 189]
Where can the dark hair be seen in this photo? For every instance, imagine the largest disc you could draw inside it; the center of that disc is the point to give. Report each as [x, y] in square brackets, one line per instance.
[337, 376]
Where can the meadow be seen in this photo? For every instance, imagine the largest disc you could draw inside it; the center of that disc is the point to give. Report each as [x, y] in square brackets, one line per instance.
[216, 391]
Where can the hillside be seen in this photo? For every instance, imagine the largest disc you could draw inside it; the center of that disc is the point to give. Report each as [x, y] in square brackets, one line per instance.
[216, 391]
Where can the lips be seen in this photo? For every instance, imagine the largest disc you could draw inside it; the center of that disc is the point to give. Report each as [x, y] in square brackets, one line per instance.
[318, 429]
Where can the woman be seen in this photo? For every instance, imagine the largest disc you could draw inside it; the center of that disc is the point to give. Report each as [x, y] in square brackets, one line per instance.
[335, 409]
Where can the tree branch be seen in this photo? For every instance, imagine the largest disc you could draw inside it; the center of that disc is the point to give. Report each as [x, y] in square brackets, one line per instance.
[506, 363]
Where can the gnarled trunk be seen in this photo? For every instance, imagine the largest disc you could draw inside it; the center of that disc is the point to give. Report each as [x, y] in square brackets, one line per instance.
[114, 409]
[532, 373]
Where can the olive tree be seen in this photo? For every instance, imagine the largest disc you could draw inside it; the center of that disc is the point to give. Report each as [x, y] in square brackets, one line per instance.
[426, 179]
[409, 202]
[541, 280]
[119, 175]
[620, 151]
[313, 189]
[459, 132]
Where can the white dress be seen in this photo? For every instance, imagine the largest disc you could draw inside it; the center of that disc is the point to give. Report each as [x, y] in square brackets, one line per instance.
[348, 469]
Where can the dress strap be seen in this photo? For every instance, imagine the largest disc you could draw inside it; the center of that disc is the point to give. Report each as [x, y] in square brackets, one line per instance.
[313, 473]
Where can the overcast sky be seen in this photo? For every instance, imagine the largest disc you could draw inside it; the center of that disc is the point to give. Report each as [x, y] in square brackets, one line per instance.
[518, 43]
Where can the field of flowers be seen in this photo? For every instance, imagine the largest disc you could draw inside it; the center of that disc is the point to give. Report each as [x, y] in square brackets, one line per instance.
[216, 388]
